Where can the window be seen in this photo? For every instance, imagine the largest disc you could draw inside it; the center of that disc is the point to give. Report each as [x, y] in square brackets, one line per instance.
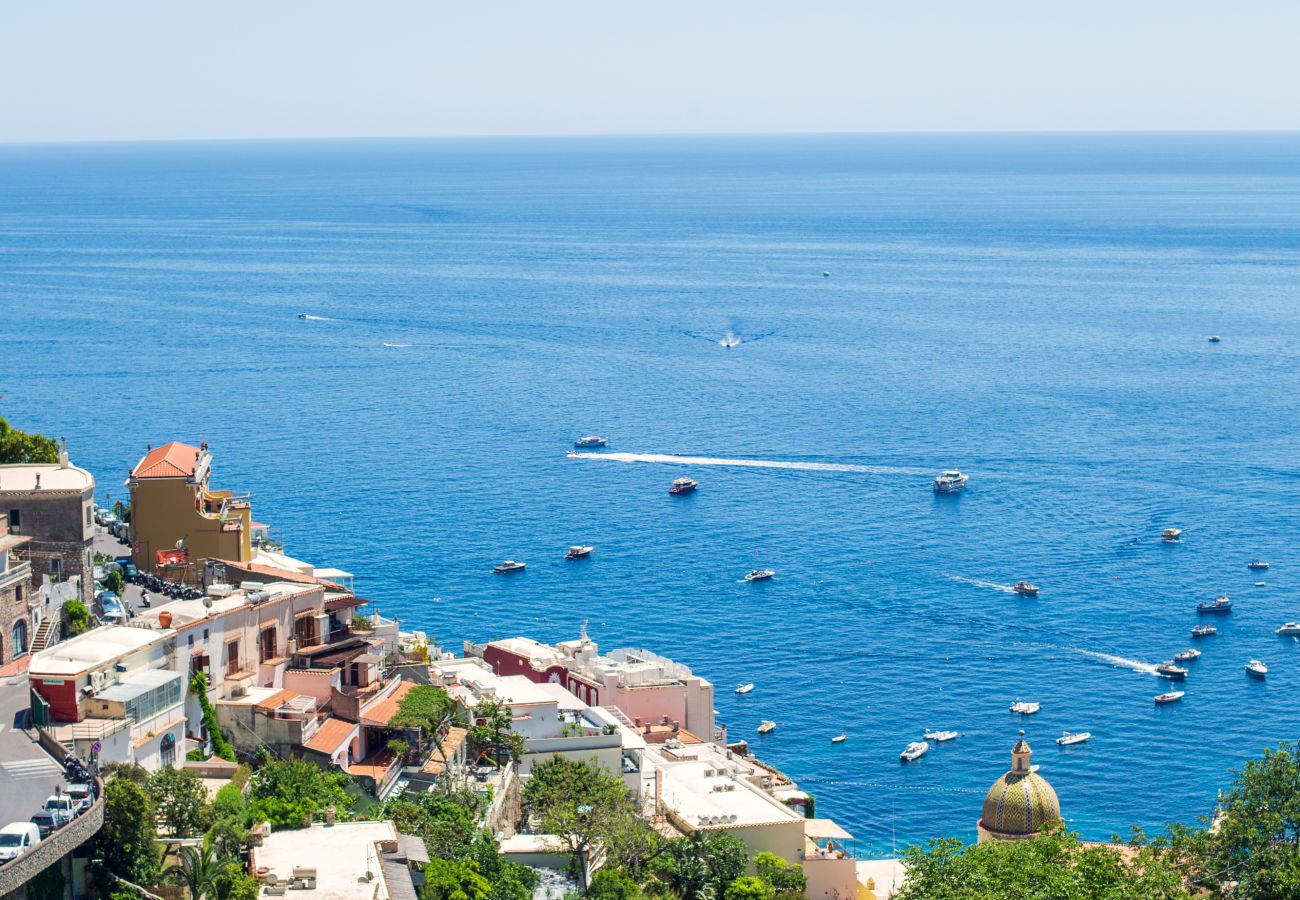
[56, 567]
[232, 657]
[304, 631]
[167, 749]
[268, 643]
[154, 701]
[13, 518]
[191, 641]
[89, 520]
[20, 637]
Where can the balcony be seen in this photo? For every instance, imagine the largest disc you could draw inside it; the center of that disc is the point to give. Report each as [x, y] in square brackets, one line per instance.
[17, 573]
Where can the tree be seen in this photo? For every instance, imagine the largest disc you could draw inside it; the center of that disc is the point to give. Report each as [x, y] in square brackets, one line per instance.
[287, 792]
[446, 879]
[1054, 864]
[200, 870]
[124, 846]
[702, 864]
[76, 618]
[786, 879]
[613, 884]
[228, 832]
[578, 802]
[114, 581]
[20, 447]
[491, 732]
[181, 801]
[749, 887]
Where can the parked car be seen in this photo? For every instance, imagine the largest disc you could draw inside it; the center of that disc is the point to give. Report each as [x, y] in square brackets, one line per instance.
[82, 797]
[99, 574]
[62, 807]
[130, 572]
[17, 838]
[46, 822]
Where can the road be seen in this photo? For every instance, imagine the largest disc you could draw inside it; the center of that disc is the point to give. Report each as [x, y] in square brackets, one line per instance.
[27, 773]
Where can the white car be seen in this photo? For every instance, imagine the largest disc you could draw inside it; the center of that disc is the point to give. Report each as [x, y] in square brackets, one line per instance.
[62, 807]
[17, 838]
[82, 798]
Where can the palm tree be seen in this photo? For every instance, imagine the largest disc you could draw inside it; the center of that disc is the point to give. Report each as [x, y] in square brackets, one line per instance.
[200, 870]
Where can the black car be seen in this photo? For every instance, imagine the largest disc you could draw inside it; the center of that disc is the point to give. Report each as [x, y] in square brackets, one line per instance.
[46, 822]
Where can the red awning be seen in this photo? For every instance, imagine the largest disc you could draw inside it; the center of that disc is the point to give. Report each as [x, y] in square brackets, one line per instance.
[173, 557]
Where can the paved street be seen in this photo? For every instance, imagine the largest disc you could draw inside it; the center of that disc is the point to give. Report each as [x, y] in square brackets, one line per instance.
[27, 773]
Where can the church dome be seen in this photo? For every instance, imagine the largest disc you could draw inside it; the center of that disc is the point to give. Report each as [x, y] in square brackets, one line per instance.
[1021, 802]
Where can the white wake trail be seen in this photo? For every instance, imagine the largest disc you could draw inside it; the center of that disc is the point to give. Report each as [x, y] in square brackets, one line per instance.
[1122, 662]
[977, 582]
[746, 463]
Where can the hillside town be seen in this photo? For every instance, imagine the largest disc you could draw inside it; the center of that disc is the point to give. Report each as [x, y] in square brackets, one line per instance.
[206, 715]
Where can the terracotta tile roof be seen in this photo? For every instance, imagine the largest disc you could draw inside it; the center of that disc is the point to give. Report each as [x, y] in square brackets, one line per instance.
[334, 604]
[382, 712]
[276, 700]
[174, 460]
[277, 574]
[332, 734]
[450, 744]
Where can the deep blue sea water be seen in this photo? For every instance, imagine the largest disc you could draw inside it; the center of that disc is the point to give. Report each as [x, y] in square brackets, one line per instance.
[1031, 309]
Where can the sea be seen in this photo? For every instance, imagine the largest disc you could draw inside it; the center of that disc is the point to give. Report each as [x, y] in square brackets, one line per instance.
[393, 344]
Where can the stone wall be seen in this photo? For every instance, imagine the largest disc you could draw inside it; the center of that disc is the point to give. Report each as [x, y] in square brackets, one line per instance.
[49, 852]
[55, 523]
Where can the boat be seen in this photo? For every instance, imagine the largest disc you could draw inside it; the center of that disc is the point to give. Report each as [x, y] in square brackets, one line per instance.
[578, 552]
[1214, 339]
[1204, 631]
[1191, 654]
[302, 315]
[839, 738]
[950, 482]
[1257, 565]
[509, 565]
[1261, 584]
[1171, 697]
[683, 486]
[1256, 669]
[1171, 534]
[940, 736]
[591, 440]
[826, 274]
[914, 751]
[1217, 605]
[1025, 707]
[745, 688]
[760, 575]
[1068, 738]
[1025, 589]
[1172, 672]
[1290, 628]
[766, 727]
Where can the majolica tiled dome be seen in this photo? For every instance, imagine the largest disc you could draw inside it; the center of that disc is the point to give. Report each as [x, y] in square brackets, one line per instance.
[1020, 802]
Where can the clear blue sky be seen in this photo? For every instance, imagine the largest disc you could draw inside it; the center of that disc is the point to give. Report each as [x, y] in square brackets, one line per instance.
[120, 69]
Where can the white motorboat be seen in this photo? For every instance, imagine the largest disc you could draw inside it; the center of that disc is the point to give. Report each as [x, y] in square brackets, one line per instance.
[940, 736]
[745, 688]
[591, 440]
[1069, 738]
[1256, 669]
[1171, 534]
[1167, 669]
[767, 727]
[914, 751]
[950, 482]
[1025, 707]
[759, 574]
[578, 552]
[1191, 654]
[683, 486]
[1257, 565]
[839, 738]
[1291, 629]
[1025, 588]
[508, 566]
[1171, 697]
[1204, 631]
[1261, 584]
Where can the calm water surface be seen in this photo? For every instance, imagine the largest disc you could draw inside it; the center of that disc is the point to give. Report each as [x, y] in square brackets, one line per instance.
[1033, 310]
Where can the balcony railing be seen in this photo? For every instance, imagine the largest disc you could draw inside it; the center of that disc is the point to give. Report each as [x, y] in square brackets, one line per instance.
[17, 572]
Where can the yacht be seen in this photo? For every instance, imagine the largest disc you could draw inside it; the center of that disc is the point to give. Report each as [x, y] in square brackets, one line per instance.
[940, 736]
[578, 552]
[1067, 738]
[1172, 672]
[591, 440]
[1256, 669]
[1257, 565]
[1204, 631]
[1191, 654]
[1217, 605]
[914, 751]
[760, 575]
[683, 486]
[509, 565]
[745, 688]
[950, 482]
[1171, 534]
[1025, 589]
[1171, 697]
[839, 738]
[1290, 628]
[1025, 707]
[766, 727]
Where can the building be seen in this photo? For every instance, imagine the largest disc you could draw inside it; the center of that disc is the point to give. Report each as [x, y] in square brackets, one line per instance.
[178, 520]
[644, 686]
[54, 505]
[17, 602]
[346, 861]
[1020, 803]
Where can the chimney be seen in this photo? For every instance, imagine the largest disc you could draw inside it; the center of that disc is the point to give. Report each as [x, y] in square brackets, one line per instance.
[63, 453]
[38, 482]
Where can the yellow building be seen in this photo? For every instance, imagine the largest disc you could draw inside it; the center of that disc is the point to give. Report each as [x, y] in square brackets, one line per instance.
[177, 520]
[1020, 803]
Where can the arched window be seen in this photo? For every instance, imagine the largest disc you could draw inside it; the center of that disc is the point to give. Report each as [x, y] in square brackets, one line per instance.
[167, 749]
[19, 640]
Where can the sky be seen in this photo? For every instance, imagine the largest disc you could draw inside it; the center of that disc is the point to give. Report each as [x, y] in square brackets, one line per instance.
[128, 70]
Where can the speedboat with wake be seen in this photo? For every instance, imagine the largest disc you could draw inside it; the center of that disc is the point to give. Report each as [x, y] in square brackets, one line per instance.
[766, 727]
[1025, 589]
[950, 482]
[1069, 738]
[509, 566]
[1217, 605]
[940, 736]
[1172, 672]
[914, 751]
[683, 486]
[1290, 629]
[1025, 707]
[760, 575]
[578, 552]
[745, 688]
[1256, 669]
[592, 440]
[1171, 697]
[1191, 654]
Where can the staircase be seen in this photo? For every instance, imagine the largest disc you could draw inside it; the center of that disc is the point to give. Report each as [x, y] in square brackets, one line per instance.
[46, 635]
